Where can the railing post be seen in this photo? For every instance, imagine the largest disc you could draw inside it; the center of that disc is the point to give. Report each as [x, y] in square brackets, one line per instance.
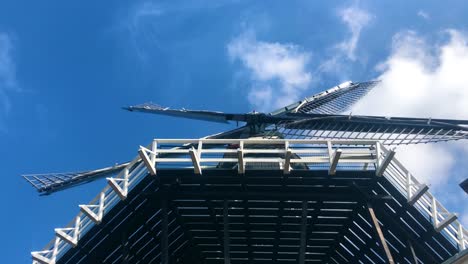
[154, 149]
[121, 191]
[435, 221]
[408, 186]
[461, 238]
[150, 161]
[287, 158]
[385, 162]
[90, 212]
[70, 234]
[377, 154]
[194, 155]
[240, 157]
[334, 161]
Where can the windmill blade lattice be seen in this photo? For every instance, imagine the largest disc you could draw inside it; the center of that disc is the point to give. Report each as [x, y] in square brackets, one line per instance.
[332, 101]
[314, 117]
[388, 130]
[47, 183]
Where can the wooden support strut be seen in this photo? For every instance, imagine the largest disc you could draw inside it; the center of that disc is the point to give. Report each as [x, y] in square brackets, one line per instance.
[383, 166]
[302, 248]
[240, 156]
[90, 210]
[447, 221]
[70, 235]
[287, 161]
[226, 240]
[334, 161]
[194, 155]
[379, 232]
[148, 161]
[414, 259]
[164, 234]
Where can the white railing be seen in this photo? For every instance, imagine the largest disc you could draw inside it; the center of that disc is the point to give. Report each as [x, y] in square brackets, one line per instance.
[316, 154]
[417, 194]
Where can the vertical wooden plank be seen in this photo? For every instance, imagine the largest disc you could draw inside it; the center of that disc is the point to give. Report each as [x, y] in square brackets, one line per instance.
[227, 255]
[164, 234]
[380, 234]
[302, 248]
[413, 253]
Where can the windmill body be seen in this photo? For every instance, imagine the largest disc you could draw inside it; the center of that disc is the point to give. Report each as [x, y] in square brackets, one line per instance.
[304, 183]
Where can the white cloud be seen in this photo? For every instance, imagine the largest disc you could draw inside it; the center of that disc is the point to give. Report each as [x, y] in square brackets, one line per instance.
[7, 76]
[355, 19]
[424, 80]
[464, 219]
[429, 163]
[278, 71]
[423, 14]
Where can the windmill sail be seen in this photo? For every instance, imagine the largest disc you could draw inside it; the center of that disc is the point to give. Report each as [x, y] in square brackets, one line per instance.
[47, 183]
[388, 130]
[185, 113]
[332, 101]
[315, 117]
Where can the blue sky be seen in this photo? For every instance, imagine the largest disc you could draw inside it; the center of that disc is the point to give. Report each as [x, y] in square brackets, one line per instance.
[67, 68]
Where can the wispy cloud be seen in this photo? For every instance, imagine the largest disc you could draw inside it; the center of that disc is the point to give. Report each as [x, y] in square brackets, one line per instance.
[464, 218]
[7, 77]
[146, 23]
[278, 72]
[355, 19]
[426, 80]
[423, 79]
[423, 14]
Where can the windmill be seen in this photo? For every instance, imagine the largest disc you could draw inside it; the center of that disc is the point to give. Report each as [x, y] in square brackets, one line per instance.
[315, 117]
[301, 184]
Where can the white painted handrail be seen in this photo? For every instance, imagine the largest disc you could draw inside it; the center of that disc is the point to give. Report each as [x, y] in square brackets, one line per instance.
[322, 154]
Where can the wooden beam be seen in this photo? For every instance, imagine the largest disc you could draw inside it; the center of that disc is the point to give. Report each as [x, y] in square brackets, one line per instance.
[420, 192]
[334, 161]
[379, 232]
[194, 155]
[226, 240]
[287, 161]
[383, 166]
[164, 234]
[447, 221]
[414, 259]
[302, 248]
[149, 162]
[241, 162]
